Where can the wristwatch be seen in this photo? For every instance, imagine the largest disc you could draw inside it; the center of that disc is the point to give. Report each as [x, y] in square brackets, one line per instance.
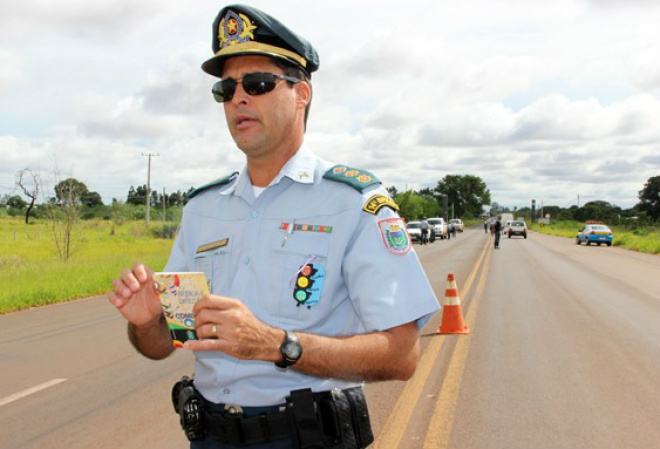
[290, 349]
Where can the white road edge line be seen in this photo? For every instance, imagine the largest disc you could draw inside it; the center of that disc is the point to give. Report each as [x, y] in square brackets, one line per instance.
[29, 391]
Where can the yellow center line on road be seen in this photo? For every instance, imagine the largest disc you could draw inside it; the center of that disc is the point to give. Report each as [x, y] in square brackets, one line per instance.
[440, 425]
[397, 422]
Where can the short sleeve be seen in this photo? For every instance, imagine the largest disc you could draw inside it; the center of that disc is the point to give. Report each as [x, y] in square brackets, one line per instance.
[387, 285]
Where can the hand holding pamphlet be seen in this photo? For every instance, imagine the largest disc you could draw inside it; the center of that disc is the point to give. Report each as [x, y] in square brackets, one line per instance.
[178, 293]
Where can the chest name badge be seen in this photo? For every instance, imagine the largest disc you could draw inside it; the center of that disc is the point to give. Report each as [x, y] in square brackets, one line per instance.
[212, 246]
[309, 284]
[394, 235]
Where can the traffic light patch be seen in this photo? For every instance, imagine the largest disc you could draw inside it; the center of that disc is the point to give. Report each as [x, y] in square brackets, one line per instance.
[309, 284]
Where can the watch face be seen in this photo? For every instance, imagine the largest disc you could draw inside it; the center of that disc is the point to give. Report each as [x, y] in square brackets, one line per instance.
[292, 351]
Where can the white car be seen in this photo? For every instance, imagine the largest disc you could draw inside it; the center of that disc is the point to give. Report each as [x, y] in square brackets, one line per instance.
[441, 228]
[517, 227]
[458, 224]
[414, 231]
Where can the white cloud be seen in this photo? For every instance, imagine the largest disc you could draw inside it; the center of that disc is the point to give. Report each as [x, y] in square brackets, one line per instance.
[10, 70]
[538, 99]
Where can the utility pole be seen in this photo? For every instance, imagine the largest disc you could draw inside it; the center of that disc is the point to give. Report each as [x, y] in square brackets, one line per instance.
[164, 205]
[149, 155]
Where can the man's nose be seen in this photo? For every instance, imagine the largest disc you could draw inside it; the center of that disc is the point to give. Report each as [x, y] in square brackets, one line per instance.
[240, 96]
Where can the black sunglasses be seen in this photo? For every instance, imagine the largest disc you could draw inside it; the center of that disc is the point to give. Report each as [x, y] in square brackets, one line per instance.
[253, 84]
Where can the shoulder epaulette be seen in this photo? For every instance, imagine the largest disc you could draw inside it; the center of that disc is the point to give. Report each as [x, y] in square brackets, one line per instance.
[217, 182]
[358, 179]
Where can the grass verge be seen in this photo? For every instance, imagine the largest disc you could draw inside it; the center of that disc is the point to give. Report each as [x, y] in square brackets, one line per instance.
[642, 239]
[31, 273]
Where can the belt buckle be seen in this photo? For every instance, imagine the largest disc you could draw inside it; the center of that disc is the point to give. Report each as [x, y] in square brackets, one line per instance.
[233, 409]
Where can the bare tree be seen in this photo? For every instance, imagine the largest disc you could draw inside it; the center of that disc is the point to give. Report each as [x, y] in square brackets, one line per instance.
[63, 212]
[29, 187]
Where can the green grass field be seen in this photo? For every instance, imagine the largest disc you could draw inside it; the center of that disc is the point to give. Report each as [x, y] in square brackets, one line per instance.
[31, 273]
[643, 239]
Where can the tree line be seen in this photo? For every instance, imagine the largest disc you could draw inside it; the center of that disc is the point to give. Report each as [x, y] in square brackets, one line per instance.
[89, 204]
[463, 196]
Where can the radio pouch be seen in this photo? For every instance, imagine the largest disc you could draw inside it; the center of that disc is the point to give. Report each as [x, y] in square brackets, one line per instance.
[305, 428]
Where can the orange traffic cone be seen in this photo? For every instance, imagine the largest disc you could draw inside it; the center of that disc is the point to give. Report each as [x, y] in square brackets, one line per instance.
[452, 315]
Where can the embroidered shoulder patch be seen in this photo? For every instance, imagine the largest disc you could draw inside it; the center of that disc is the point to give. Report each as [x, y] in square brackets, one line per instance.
[377, 202]
[358, 179]
[217, 182]
[394, 234]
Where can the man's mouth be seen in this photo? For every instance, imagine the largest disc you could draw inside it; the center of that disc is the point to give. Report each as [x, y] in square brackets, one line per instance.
[243, 121]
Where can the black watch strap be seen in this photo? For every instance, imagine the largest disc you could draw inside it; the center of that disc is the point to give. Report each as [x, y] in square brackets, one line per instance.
[290, 350]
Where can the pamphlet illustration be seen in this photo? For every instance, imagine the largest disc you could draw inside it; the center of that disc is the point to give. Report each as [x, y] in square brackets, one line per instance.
[178, 293]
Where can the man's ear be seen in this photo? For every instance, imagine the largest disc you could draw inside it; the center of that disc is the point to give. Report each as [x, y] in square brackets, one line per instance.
[304, 92]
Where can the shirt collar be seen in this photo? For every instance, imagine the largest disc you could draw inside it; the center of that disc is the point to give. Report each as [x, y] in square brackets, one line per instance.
[300, 168]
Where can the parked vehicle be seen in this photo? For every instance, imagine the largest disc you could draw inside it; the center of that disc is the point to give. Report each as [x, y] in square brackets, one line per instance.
[414, 231]
[458, 223]
[441, 228]
[595, 233]
[517, 227]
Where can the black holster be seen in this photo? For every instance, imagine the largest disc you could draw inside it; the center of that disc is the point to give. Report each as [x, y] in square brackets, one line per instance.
[338, 419]
[189, 405]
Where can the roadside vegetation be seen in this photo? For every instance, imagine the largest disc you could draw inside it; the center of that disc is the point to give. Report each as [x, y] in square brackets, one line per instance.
[645, 239]
[68, 244]
[33, 274]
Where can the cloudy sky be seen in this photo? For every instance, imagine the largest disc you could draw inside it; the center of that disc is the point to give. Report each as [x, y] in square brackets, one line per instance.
[548, 100]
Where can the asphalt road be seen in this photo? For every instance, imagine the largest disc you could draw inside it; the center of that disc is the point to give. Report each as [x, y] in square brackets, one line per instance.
[563, 352]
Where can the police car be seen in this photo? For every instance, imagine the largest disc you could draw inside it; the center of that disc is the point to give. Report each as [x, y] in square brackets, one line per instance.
[595, 232]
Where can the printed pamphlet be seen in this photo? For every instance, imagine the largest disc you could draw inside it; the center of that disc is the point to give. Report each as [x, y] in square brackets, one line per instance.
[178, 293]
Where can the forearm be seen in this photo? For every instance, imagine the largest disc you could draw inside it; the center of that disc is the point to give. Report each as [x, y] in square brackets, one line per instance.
[387, 355]
[152, 340]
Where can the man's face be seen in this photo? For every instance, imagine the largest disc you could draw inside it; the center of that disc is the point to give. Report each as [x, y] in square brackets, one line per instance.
[262, 124]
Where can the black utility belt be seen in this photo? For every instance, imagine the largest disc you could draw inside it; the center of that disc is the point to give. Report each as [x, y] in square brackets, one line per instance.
[329, 419]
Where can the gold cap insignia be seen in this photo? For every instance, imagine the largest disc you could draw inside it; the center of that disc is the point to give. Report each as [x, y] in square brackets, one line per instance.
[235, 28]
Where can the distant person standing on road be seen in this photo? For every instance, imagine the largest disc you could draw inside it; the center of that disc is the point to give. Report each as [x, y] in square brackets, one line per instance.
[486, 227]
[424, 225]
[497, 227]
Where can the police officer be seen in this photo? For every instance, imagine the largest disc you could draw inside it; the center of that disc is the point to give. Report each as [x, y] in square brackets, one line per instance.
[315, 287]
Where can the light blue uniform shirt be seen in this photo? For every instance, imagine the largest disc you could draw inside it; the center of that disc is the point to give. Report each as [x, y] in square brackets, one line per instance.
[356, 284]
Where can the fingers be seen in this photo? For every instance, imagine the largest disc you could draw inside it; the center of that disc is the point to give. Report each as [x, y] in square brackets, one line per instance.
[130, 281]
[205, 345]
[116, 300]
[209, 331]
[219, 303]
[142, 273]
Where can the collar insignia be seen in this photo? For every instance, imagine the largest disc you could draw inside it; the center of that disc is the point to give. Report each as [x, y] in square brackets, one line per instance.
[234, 29]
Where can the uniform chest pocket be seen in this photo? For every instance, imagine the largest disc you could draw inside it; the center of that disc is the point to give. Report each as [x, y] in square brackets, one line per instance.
[216, 264]
[296, 285]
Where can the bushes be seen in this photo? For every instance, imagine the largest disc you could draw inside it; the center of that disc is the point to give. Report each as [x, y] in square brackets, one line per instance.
[164, 230]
